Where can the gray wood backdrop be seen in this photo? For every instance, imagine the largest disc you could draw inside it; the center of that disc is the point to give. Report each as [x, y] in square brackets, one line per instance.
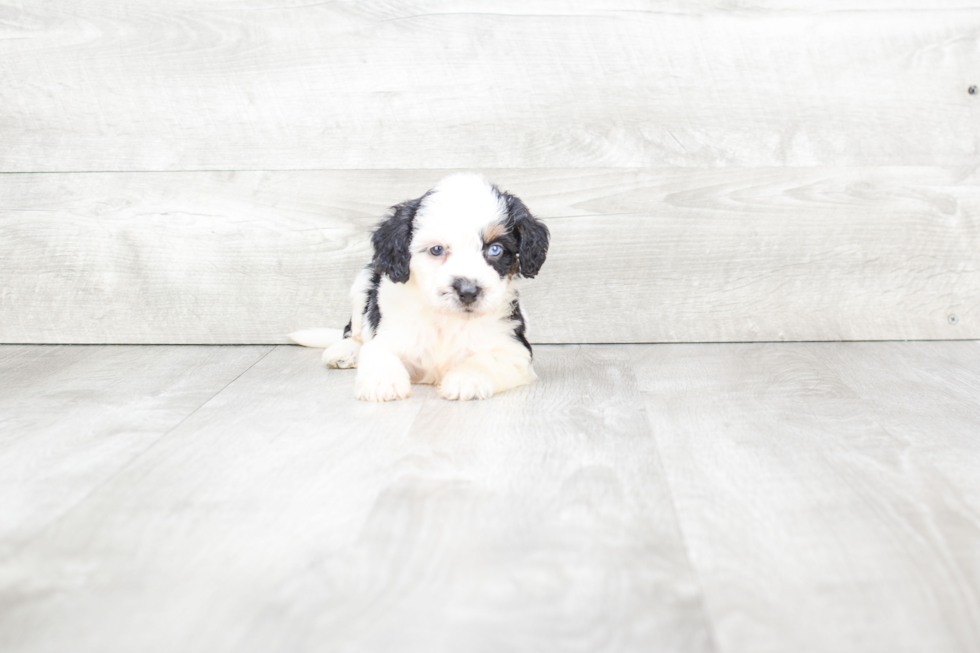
[207, 171]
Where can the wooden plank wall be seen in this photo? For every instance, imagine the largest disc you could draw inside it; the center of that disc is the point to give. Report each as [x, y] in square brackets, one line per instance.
[207, 171]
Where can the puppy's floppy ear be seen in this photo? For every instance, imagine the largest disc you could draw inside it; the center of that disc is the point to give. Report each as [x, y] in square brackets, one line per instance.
[532, 236]
[391, 239]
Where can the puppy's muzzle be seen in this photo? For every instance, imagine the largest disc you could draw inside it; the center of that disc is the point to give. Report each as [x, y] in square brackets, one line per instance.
[467, 291]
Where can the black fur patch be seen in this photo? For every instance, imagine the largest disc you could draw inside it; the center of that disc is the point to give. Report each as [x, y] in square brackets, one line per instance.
[347, 329]
[532, 236]
[506, 263]
[391, 239]
[371, 309]
[518, 320]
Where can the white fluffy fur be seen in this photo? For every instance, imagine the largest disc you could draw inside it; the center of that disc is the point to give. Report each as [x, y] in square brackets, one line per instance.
[426, 335]
[317, 337]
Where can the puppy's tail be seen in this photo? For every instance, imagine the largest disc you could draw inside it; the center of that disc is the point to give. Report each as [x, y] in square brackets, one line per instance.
[321, 338]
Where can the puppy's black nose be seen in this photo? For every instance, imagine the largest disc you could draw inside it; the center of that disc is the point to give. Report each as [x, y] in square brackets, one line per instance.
[466, 290]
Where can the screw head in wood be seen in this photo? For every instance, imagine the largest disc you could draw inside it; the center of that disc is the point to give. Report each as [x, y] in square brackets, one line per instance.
[972, 90]
[953, 319]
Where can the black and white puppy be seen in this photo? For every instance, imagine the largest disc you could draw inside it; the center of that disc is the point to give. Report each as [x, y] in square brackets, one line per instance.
[438, 304]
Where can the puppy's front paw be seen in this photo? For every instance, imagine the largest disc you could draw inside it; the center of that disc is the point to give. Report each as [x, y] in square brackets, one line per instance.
[342, 354]
[382, 388]
[465, 385]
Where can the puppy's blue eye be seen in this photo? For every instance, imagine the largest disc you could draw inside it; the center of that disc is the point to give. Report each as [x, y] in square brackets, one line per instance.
[437, 250]
[495, 250]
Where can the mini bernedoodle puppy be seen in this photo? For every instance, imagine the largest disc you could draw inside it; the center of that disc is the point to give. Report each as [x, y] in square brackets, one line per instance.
[438, 304]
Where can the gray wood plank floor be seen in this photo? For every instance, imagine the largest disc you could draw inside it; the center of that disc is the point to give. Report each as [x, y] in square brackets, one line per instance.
[717, 497]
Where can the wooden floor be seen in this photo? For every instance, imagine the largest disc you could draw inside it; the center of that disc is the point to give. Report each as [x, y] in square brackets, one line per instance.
[721, 497]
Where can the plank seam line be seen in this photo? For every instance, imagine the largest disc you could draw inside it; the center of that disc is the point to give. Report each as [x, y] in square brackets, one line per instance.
[735, 342]
[533, 342]
[709, 624]
[47, 527]
[30, 346]
[155, 171]
[490, 169]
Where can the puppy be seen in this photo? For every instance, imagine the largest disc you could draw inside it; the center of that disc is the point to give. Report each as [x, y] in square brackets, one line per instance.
[438, 303]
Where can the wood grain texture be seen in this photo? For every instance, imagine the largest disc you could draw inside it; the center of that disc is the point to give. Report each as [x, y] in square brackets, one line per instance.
[284, 515]
[118, 85]
[645, 255]
[72, 417]
[928, 402]
[826, 492]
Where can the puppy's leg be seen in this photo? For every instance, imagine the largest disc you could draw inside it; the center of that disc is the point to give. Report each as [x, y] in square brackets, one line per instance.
[342, 354]
[358, 297]
[485, 374]
[381, 376]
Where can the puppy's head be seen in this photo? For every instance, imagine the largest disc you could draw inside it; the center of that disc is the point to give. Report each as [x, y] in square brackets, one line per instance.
[463, 243]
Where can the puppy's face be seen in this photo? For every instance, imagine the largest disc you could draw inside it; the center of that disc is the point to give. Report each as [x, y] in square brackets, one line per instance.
[466, 241]
[463, 255]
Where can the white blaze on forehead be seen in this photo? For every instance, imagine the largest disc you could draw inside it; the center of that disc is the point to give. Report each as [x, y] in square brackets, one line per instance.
[458, 208]
[454, 215]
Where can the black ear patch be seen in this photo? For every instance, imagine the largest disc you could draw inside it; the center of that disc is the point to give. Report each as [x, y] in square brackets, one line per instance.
[532, 236]
[391, 239]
